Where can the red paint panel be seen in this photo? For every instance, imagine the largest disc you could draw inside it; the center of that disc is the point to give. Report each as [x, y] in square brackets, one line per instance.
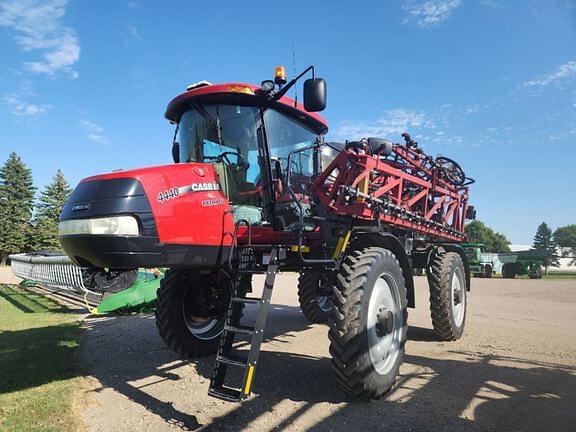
[183, 219]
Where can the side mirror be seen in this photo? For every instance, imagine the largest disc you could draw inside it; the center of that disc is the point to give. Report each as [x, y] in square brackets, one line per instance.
[314, 94]
[176, 151]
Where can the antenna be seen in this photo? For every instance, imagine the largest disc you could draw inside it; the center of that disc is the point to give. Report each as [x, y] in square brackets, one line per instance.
[294, 73]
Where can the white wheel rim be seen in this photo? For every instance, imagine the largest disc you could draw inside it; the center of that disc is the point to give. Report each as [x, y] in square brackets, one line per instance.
[324, 303]
[200, 329]
[384, 349]
[458, 297]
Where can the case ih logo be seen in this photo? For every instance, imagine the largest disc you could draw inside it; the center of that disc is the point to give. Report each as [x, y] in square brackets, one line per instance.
[81, 207]
[200, 187]
[172, 193]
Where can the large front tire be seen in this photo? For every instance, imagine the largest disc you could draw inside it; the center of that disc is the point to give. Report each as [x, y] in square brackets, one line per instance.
[447, 282]
[191, 311]
[369, 322]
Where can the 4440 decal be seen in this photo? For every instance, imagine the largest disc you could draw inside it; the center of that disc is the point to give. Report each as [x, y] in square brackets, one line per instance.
[172, 193]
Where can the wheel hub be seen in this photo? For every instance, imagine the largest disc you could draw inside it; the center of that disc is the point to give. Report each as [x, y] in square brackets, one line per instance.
[384, 321]
[204, 306]
[457, 299]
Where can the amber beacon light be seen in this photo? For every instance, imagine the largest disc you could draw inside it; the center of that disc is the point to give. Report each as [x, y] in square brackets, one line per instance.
[280, 75]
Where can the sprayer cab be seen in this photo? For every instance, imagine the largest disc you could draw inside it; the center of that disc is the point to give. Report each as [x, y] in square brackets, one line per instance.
[231, 148]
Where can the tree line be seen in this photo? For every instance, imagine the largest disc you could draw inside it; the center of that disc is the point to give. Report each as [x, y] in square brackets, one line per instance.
[26, 223]
[564, 237]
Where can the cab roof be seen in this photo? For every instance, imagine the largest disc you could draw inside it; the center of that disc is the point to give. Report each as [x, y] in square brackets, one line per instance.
[241, 93]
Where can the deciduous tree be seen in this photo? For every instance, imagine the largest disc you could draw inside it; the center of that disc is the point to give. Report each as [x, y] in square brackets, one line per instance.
[565, 237]
[495, 242]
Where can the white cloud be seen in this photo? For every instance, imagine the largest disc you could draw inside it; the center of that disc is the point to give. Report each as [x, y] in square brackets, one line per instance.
[23, 108]
[497, 4]
[393, 123]
[38, 26]
[429, 13]
[133, 31]
[94, 132]
[565, 71]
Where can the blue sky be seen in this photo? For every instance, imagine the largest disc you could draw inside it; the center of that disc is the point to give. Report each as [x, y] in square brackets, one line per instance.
[491, 83]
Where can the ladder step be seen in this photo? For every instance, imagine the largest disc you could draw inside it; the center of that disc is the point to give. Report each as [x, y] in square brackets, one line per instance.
[226, 393]
[239, 329]
[233, 361]
[256, 272]
[246, 300]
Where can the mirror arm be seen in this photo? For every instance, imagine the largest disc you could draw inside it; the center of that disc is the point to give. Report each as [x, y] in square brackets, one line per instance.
[176, 144]
[288, 86]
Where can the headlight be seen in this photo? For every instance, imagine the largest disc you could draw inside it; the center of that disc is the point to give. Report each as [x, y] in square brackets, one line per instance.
[116, 225]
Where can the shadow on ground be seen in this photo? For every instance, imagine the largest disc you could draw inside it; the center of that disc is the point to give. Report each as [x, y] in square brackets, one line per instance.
[30, 302]
[465, 390]
[32, 357]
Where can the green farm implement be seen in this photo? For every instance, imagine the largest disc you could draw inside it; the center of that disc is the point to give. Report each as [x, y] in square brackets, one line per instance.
[481, 264]
[102, 291]
[520, 263]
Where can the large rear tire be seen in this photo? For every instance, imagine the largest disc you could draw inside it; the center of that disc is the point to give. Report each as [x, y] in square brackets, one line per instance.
[508, 271]
[369, 322]
[447, 282]
[191, 311]
[315, 302]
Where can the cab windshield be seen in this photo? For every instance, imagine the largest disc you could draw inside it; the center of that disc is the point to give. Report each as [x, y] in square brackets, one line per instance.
[227, 136]
[206, 132]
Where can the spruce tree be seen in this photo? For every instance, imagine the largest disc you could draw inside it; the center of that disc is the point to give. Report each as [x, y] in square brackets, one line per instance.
[16, 202]
[48, 209]
[544, 240]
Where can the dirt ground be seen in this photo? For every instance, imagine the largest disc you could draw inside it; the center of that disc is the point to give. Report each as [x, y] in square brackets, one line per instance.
[6, 276]
[514, 369]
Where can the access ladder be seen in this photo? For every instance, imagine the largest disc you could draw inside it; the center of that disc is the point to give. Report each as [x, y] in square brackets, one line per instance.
[233, 327]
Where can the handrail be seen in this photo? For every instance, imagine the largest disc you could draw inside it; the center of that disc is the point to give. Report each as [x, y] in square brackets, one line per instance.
[301, 209]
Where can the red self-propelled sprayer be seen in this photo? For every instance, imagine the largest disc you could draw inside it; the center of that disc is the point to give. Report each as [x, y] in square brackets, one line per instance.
[255, 189]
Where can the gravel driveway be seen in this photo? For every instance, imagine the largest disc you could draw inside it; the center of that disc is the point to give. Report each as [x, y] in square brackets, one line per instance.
[514, 369]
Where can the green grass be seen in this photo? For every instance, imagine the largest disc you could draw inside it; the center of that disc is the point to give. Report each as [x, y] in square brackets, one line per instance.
[38, 379]
[560, 275]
